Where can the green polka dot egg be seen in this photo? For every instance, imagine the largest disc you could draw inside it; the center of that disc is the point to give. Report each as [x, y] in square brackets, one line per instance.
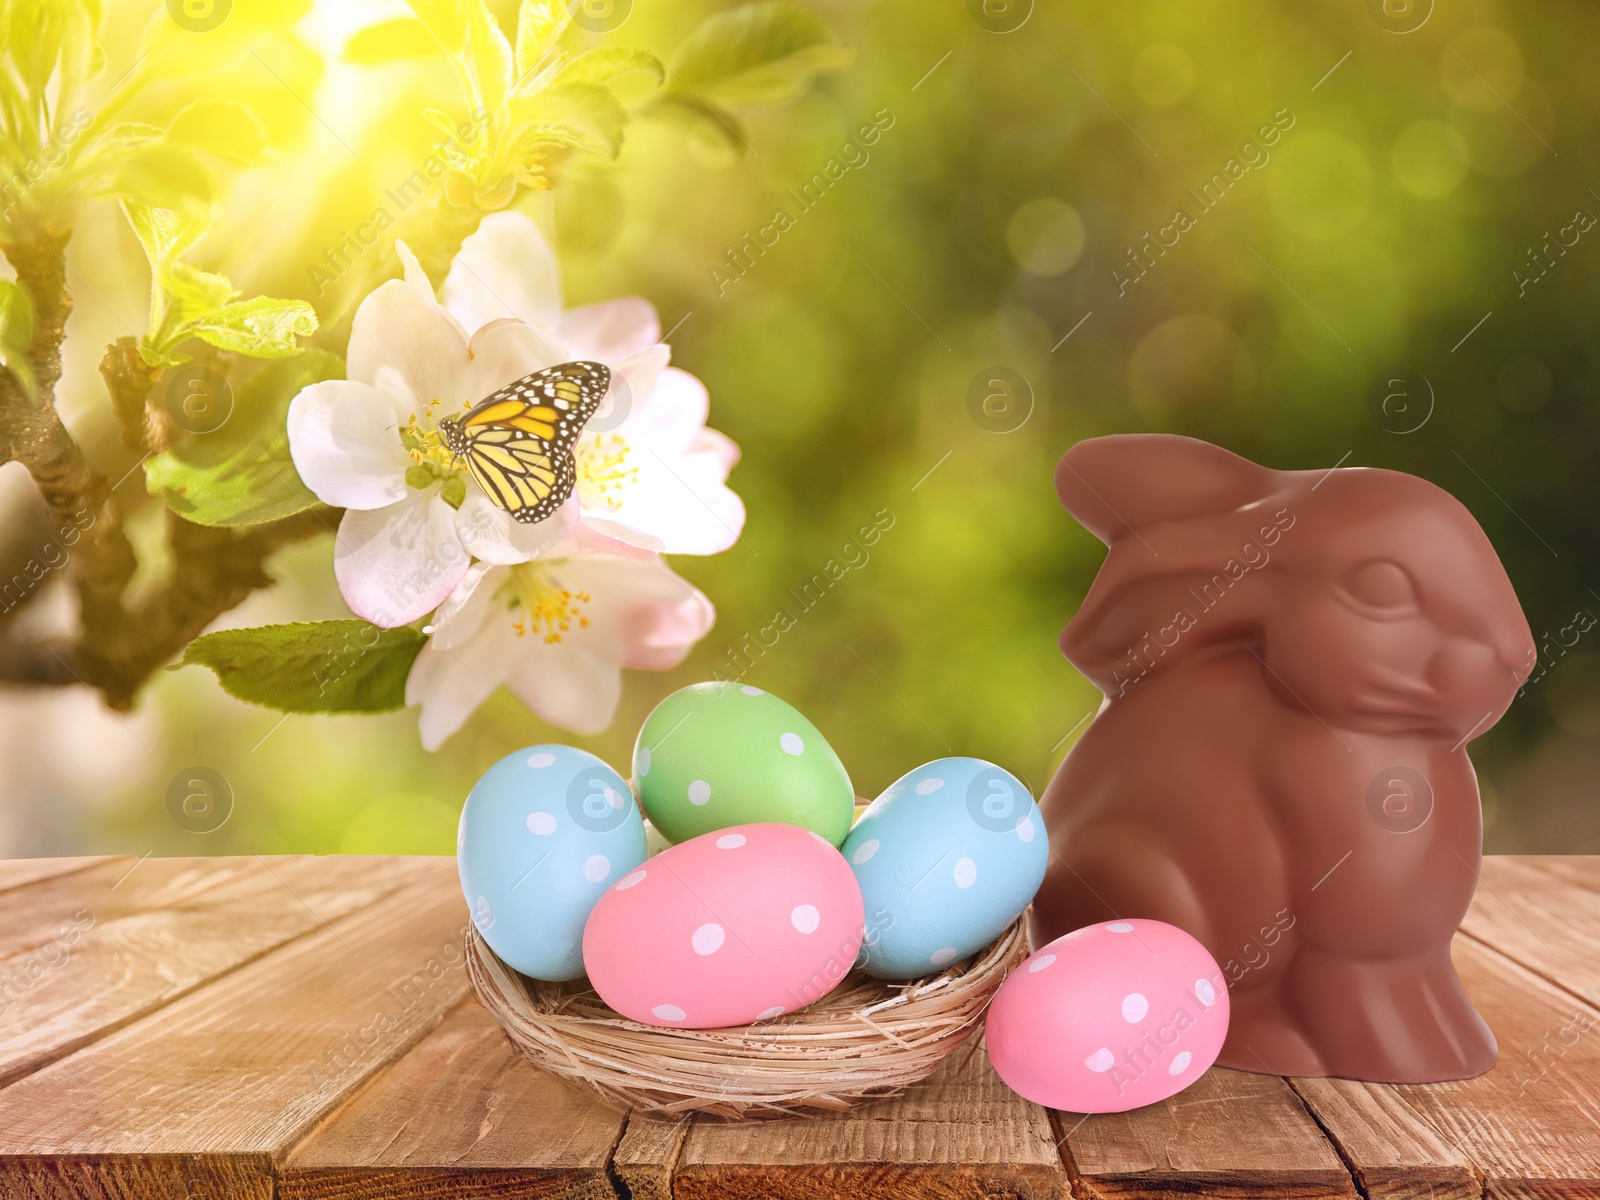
[721, 754]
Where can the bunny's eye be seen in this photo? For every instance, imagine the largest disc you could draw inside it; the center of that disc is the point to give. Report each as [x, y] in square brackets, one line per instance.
[1381, 584]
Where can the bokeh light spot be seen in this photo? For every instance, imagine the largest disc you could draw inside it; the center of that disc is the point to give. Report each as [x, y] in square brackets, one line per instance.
[1429, 159]
[1186, 363]
[1162, 75]
[1321, 186]
[1045, 236]
[1482, 69]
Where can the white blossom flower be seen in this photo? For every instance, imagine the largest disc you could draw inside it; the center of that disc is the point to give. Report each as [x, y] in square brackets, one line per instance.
[556, 632]
[369, 444]
[649, 471]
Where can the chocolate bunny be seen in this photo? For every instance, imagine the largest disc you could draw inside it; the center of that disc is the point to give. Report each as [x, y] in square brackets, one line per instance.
[1293, 663]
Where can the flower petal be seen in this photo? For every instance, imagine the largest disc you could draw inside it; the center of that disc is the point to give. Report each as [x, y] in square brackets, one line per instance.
[633, 382]
[405, 345]
[505, 269]
[611, 329]
[344, 438]
[567, 687]
[671, 413]
[644, 614]
[450, 683]
[468, 608]
[495, 536]
[398, 563]
[680, 506]
[503, 352]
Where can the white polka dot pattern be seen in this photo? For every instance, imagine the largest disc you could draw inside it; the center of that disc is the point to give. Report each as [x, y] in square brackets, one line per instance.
[965, 873]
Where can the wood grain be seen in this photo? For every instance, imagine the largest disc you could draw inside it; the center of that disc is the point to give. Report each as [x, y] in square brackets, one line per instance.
[647, 1156]
[17, 872]
[961, 1133]
[460, 1113]
[1542, 918]
[121, 950]
[1229, 1134]
[1531, 1126]
[230, 1076]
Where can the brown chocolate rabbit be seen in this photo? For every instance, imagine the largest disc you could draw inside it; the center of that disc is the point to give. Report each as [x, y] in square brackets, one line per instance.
[1293, 663]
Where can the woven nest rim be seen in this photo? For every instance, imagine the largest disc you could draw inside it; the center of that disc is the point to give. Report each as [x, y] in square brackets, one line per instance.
[866, 1040]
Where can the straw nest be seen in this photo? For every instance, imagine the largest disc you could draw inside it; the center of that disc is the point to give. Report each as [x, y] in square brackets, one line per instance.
[864, 1041]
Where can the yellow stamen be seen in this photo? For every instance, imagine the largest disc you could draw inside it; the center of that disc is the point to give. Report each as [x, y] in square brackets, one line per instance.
[539, 604]
[603, 470]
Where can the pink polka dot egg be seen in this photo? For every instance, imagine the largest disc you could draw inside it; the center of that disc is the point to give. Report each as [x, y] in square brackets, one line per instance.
[1109, 1017]
[737, 925]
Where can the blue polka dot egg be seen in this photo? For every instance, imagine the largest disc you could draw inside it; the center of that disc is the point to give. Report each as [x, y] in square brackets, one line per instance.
[947, 857]
[543, 834]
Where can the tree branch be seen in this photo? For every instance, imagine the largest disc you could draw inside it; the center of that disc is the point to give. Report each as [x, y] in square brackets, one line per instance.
[119, 646]
[129, 378]
[77, 496]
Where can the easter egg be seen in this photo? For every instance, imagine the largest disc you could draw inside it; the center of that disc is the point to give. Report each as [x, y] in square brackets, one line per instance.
[721, 754]
[543, 834]
[1109, 1017]
[947, 857]
[738, 925]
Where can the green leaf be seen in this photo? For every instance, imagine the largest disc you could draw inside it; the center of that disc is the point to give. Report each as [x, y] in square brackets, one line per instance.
[164, 175]
[313, 666]
[262, 327]
[759, 53]
[250, 477]
[488, 55]
[576, 114]
[16, 333]
[540, 24]
[717, 131]
[166, 234]
[391, 41]
[195, 294]
[604, 63]
[225, 128]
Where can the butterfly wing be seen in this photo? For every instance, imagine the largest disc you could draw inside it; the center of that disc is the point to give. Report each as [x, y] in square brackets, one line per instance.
[519, 439]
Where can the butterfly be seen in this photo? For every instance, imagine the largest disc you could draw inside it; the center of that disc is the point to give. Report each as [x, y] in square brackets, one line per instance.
[517, 441]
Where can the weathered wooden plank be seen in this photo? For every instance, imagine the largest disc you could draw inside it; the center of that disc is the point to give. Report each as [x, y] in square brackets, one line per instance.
[128, 947]
[18, 872]
[961, 1133]
[1581, 869]
[233, 1074]
[45, 911]
[1530, 1127]
[1229, 1134]
[1541, 917]
[648, 1155]
[460, 1113]
[1393, 1153]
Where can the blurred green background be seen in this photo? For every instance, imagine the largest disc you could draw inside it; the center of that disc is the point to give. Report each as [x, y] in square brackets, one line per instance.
[990, 219]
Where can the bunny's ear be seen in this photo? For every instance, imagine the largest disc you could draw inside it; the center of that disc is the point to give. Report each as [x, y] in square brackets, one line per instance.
[1127, 481]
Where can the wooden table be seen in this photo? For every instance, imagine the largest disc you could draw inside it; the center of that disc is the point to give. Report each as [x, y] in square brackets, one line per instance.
[302, 1028]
